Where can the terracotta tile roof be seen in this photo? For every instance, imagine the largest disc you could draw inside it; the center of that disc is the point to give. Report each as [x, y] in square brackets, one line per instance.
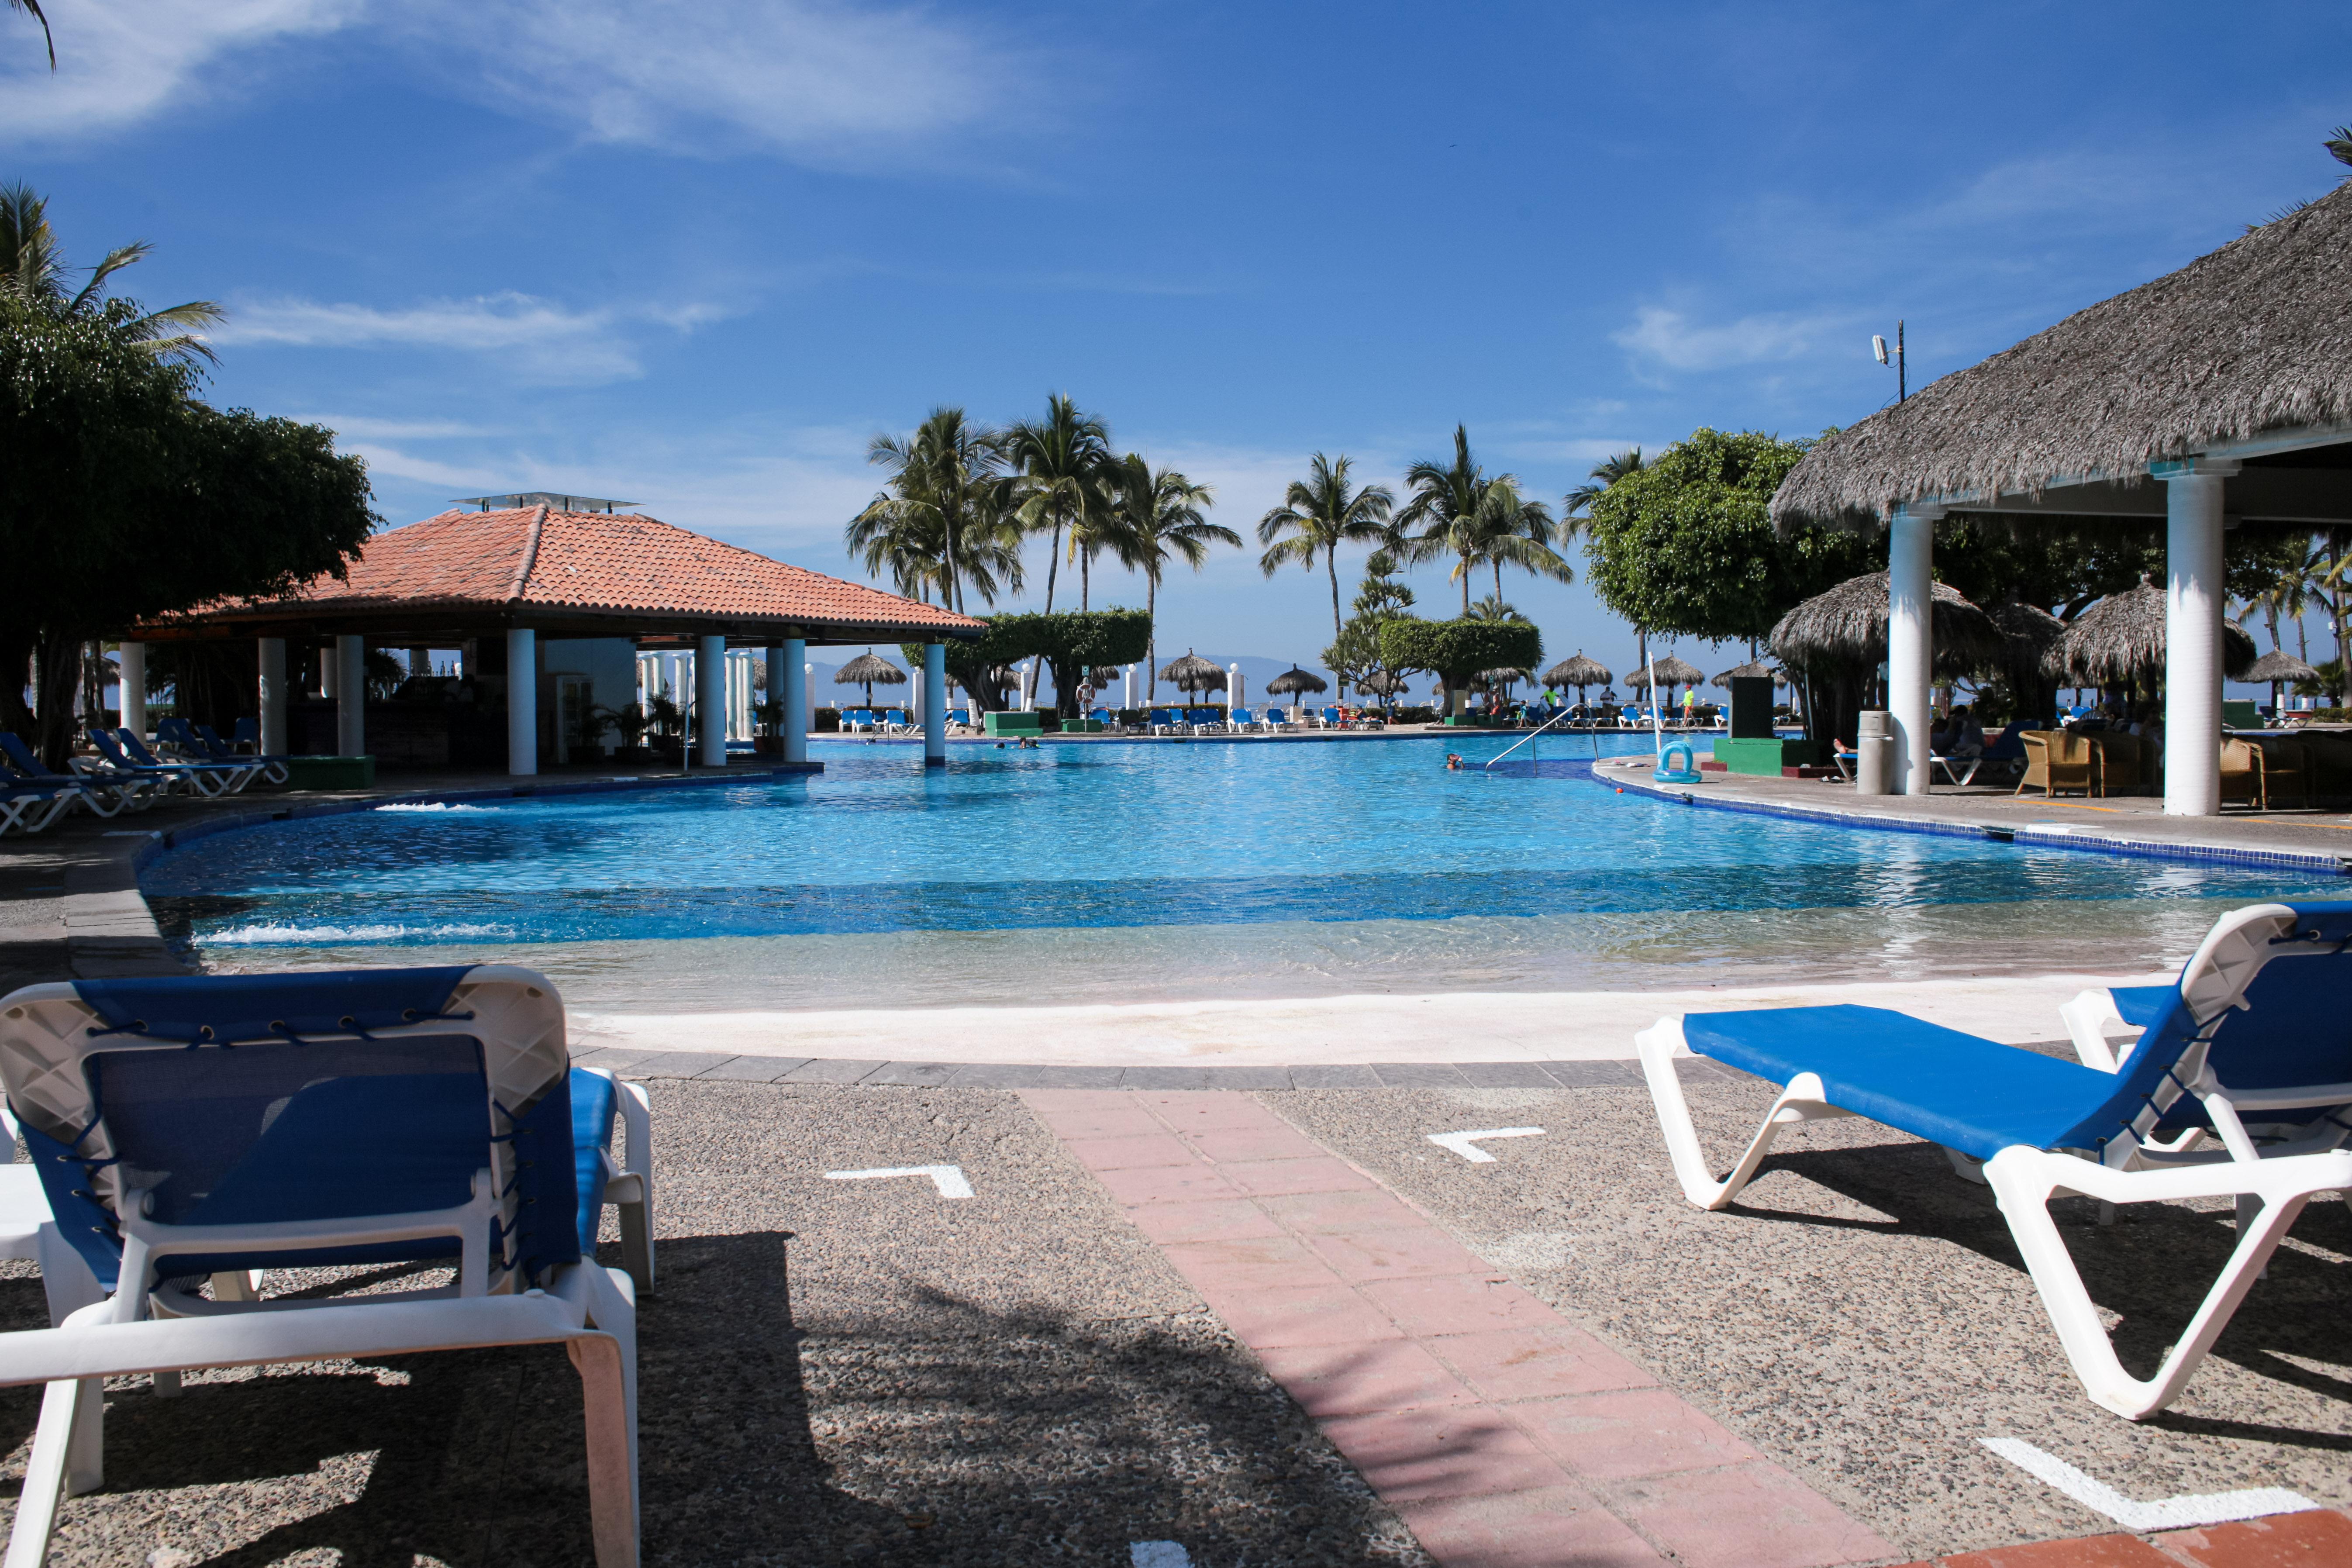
[600, 563]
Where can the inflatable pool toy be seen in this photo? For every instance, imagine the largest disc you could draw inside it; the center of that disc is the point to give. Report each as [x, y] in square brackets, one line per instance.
[1669, 771]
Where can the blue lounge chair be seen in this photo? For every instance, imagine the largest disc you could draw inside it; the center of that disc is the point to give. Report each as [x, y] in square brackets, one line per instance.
[2239, 1087]
[165, 777]
[273, 768]
[37, 797]
[205, 1127]
[895, 722]
[188, 746]
[232, 774]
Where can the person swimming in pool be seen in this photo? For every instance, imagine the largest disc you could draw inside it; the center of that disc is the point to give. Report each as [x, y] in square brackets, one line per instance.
[1452, 761]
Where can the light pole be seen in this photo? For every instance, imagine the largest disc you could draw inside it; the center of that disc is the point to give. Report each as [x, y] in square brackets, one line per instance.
[1902, 378]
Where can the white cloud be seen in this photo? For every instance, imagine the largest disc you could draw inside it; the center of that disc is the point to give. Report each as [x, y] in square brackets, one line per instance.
[1670, 339]
[815, 81]
[538, 340]
[361, 427]
[122, 63]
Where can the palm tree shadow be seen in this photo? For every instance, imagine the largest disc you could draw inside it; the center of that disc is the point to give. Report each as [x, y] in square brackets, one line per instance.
[989, 1435]
[2152, 1265]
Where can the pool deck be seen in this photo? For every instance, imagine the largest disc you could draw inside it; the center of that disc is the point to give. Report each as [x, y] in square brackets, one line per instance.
[2320, 840]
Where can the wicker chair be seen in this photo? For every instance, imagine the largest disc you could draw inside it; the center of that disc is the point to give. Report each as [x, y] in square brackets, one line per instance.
[2055, 760]
[2255, 772]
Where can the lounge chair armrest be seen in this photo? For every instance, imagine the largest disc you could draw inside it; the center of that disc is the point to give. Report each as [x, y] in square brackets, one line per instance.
[638, 1123]
[628, 1188]
[2086, 1016]
[87, 1348]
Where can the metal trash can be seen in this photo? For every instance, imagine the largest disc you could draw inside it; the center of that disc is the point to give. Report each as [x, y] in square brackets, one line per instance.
[1873, 762]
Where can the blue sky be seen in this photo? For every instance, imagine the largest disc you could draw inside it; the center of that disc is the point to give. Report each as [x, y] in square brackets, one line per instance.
[695, 254]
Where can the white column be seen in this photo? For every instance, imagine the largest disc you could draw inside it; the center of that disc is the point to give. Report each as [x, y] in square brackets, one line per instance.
[133, 681]
[2192, 634]
[1910, 640]
[1028, 686]
[1232, 688]
[351, 697]
[794, 679]
[935, 705]
[272, 696]
[1127, 698]
[327, 671]
[523, 701]
[710, 699]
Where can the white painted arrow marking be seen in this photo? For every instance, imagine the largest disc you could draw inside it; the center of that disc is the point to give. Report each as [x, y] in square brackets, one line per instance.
[949, 1179]
[1465, 1143]
[2165, 1513]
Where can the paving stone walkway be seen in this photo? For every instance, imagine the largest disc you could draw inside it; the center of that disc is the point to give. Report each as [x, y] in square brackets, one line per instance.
[1502, 1433]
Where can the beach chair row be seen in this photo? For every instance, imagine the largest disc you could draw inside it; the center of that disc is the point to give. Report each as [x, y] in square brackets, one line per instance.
[120, 773]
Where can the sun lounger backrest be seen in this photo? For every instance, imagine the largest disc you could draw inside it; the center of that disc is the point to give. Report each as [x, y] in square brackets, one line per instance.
[273, 1100]
[20, 755]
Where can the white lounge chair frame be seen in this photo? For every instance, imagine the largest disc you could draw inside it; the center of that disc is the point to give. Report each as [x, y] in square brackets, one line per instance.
[2271, 1186]
[590, 1310]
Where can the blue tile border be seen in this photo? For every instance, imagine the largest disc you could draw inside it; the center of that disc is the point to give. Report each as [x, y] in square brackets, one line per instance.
[2032, 835]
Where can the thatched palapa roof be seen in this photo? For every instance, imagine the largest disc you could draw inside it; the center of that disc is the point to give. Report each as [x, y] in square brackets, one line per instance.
[1296, 679]
[1671, 672]
[2276, 666]
[2122, 636]
[868, 669]
[2251, 340]
[1193, 673]
[1579, 671]
[1759, 671]
[1847, 626]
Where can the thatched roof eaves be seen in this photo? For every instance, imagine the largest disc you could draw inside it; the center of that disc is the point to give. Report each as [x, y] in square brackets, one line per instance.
[1671, 672]
[868, 669]
[2253, 337]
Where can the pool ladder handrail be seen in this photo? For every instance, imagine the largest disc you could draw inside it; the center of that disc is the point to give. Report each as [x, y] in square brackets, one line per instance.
[1527, 737]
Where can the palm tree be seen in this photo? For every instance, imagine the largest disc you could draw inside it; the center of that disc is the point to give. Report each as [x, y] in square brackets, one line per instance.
[941, 521]
[1606, 472]
[1156, 514]
[33, 268]
[1059, 461]
[1477, 520]
[1319, 514]
[33, 9]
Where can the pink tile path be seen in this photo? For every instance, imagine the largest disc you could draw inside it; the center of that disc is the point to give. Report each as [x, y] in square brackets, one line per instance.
[1504, 1434]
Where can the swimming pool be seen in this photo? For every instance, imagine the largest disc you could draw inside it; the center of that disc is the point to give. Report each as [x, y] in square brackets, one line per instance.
[1104, 872]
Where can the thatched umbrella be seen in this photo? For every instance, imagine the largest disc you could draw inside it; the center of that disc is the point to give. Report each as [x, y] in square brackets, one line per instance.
[1579, 672]
[2121, 638]
[1488, 681]
[1382, 684]
[1296, 680]
[1669, 672]
[1759, 670]
[1846, 628]
[866, 671]
[2273, 668]
[1193, 673]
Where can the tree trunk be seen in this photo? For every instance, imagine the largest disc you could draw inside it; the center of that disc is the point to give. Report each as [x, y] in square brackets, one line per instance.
[1150, 640]
[16, 660]
[2335, 615]
[1053, 562]
[1499, 579]
[1465, 587]
[1332, 565]
[1085, 581]
[61, 675]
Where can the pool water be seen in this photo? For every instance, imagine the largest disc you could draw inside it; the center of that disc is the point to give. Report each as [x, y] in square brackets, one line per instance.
[1106, 872]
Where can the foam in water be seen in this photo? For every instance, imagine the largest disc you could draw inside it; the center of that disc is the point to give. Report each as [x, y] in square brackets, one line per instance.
[429, 806]
[329, 935]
